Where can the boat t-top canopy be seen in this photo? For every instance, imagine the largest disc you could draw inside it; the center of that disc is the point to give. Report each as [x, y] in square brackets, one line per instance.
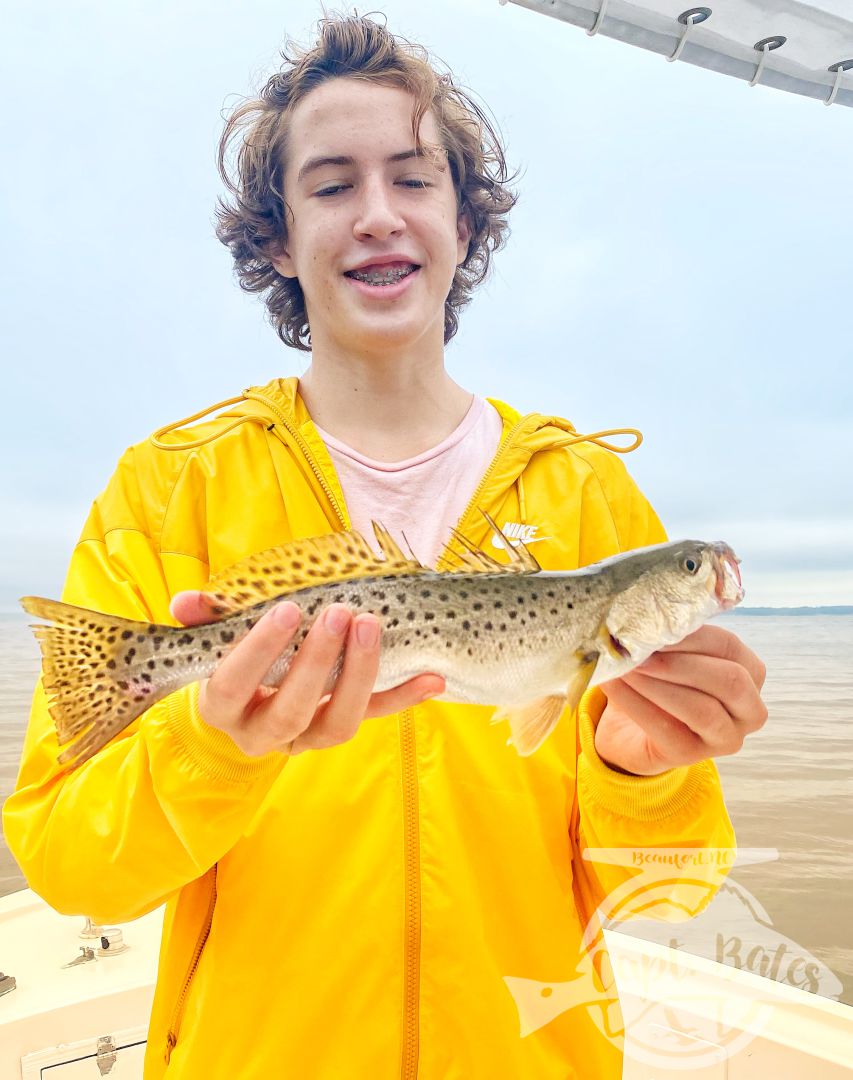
[801, 46]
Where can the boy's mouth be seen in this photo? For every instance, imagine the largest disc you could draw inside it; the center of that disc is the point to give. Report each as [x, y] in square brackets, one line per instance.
[383, 273]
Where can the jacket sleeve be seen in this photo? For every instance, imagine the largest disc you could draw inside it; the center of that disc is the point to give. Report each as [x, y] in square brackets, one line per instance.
[643, 847]
[161, 803]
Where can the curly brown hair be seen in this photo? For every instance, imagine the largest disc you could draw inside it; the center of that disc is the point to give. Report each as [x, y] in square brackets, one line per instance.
[254, 225]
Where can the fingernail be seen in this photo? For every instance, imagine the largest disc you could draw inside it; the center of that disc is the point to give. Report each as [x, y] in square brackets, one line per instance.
[287, 616]
[337, 620]
[367, 633]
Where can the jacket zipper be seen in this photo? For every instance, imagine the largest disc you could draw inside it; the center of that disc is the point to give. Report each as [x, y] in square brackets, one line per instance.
[412, 851]
[306, 450]
[412, 899]
[408, 756]
[177, 1014]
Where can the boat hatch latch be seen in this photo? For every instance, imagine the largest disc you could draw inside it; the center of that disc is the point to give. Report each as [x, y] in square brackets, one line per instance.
[112, 942]
[88, 954]
[106, 1055]
[7, 983]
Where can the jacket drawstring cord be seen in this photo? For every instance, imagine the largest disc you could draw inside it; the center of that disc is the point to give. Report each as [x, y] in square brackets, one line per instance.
[168, 428]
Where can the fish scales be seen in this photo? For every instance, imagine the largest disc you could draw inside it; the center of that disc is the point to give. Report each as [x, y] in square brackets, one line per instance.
[512, 635]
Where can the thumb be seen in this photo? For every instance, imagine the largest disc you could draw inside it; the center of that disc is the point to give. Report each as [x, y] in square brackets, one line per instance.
[193, 607]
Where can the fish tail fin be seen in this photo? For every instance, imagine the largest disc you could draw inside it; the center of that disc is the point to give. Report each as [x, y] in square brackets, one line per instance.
[93, 669]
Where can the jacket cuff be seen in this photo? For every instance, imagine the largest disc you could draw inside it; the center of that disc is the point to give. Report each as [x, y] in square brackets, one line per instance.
[212, 750]
[644, 798]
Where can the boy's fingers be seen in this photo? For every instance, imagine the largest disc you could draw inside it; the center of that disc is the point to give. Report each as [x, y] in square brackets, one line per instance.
[239, 674]
[418, 689]
[193, 607]
[404, 696]
[292, 708]
[339, 718]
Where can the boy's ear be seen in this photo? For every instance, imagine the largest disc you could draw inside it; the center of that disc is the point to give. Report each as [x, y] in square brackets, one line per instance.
[282, 262]
[463, 238]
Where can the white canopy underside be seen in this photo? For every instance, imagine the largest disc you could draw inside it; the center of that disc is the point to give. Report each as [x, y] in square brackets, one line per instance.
[819, 34]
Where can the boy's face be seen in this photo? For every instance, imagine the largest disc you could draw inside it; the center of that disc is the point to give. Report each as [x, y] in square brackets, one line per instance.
[348, 214]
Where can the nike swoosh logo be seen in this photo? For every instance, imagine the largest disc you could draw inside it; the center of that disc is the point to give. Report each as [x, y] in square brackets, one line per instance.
[498, 543]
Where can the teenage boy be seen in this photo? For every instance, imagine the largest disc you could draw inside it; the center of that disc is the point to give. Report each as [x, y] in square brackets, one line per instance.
[362, 910]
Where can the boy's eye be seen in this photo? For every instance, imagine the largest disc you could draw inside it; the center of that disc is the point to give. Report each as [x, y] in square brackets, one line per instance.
[332, 190]
[335, 188]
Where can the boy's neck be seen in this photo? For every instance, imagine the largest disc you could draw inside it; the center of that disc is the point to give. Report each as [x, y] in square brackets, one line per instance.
[385, 409]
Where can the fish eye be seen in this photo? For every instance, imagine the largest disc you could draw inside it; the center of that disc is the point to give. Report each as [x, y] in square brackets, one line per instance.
[691, 564]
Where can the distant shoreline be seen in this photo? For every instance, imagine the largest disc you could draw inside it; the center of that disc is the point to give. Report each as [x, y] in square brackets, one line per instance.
[835, 609]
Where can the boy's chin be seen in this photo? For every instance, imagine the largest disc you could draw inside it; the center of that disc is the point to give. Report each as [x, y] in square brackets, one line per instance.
[386, 334]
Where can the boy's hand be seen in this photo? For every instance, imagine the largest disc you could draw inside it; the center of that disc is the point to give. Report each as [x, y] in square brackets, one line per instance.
[298, 715]
[687, 702]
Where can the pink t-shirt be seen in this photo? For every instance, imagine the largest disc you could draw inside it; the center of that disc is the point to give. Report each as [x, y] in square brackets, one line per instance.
[423, 496]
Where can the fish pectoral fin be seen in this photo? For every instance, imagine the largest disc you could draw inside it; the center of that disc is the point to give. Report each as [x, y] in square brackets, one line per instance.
[532, 723]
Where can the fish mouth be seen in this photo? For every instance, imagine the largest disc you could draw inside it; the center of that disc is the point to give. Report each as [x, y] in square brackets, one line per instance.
[728, 588]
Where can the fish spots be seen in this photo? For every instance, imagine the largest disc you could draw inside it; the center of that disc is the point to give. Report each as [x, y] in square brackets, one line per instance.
[226, 636]
[443, 597]
[385, 609]
[498, 603]
[151, 665]
[553, 611]
[513, 614]
[393, 623]
[429, 616]
[466, 625]
[477, 606]
[169, 662]
[426, 594]
[126, 635]
[146, 678]
[436, 630]
[185, 639]
[111, 664]
[207, 645]
[550, 594]
[570, 605]
[488, 625]
[411, 616]
[450, 615]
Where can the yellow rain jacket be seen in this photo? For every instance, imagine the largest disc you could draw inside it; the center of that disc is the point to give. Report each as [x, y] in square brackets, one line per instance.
[412, 903]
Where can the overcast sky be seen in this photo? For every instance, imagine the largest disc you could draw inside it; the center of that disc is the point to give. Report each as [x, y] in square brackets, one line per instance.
[680, 262]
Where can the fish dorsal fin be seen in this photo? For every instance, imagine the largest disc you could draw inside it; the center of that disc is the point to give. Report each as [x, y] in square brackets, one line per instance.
[312, 561]
[521, 561]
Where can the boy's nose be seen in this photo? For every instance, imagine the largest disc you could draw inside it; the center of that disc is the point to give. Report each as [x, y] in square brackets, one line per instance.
[377, 213]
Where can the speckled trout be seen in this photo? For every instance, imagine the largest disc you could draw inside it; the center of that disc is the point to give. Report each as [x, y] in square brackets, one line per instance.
[526, 640]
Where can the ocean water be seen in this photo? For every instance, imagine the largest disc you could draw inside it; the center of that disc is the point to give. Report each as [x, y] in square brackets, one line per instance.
[789, 791]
